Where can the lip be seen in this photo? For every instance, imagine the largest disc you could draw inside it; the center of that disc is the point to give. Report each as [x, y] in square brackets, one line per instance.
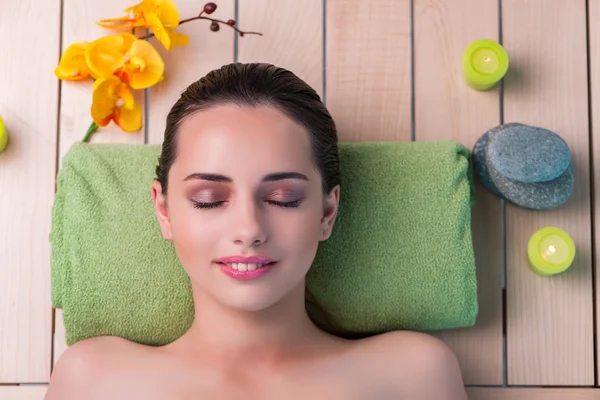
[246, 275]
[244, 260]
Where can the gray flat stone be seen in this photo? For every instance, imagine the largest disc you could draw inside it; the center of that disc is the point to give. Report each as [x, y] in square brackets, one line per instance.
[480, 163]
[527, 154]
[535, 196]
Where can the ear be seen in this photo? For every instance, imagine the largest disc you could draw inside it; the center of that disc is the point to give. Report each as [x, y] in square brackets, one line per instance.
[330, 211]
[160, 207]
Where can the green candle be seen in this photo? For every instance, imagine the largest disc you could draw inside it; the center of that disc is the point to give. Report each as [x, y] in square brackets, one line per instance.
[550, 251]
[3, 136]
[485, 63]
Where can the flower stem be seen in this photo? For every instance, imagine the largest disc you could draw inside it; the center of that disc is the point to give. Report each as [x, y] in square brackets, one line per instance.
[93, 128]
[183, 21]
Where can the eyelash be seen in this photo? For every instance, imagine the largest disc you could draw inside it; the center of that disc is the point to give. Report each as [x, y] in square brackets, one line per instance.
[289, 204]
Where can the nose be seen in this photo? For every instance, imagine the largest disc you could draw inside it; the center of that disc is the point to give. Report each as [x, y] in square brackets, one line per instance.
[247, 224]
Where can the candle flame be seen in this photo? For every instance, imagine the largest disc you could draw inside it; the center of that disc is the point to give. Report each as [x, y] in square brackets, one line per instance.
[551, 249]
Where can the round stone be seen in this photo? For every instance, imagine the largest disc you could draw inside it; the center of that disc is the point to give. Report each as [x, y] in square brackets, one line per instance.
[535, 196]
[480, 164]
[528, 154]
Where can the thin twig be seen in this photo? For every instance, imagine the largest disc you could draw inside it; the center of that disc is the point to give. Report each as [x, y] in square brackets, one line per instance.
[183, 21]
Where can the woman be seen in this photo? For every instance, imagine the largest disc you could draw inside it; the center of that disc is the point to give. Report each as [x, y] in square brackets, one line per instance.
[248, 184]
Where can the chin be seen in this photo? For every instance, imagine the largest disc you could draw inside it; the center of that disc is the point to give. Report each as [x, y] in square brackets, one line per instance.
[248, 299]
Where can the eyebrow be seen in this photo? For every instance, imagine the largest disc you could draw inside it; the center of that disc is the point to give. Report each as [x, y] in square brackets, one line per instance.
[278, 176]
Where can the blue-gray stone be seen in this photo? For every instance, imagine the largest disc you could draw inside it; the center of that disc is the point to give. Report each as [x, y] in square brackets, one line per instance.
[480, 163]
[535, 196]
[527, 154]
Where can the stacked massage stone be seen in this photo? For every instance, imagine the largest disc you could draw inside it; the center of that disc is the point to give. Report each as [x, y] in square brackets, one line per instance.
[528, 166]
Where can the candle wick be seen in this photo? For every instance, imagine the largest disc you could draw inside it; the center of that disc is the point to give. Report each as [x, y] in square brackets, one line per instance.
[486, 59]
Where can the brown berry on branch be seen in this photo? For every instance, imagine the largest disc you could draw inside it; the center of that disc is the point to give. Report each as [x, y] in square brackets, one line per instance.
[214, 27]
[210, 8]
[231, 22]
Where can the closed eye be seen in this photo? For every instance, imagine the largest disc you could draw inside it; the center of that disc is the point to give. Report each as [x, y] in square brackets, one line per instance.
[287, 204]
[216, 204]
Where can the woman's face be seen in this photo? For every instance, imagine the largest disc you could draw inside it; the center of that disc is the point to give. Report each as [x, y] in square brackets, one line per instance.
[244, 185]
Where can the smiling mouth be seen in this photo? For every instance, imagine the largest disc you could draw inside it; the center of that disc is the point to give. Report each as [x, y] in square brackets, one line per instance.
[245, 267]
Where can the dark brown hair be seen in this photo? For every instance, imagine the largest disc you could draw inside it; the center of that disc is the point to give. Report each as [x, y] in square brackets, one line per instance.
[252, 85]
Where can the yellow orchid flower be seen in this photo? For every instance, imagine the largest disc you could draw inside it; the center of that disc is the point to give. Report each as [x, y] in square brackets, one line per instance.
[160, 16]
[112, 100]
[73, 65]
[134, 60]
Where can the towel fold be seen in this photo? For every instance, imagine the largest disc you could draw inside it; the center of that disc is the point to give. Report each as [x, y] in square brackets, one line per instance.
[400, 256]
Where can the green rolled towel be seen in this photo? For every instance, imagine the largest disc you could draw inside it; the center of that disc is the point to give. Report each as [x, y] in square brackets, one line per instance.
[400, 256]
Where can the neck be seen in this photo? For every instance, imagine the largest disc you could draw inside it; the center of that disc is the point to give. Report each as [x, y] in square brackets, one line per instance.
[270, 335]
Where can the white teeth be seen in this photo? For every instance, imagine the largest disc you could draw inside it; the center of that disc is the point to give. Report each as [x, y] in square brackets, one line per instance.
[244, 267]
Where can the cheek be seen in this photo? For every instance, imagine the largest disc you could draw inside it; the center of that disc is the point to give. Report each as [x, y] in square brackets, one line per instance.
[193, 232]
[300, 231]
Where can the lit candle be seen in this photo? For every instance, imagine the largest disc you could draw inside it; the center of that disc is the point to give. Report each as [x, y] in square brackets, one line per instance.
[550, 251]
[3, 136]
[485, 63]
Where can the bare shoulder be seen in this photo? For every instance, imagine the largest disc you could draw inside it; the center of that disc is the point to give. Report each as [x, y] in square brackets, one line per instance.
[83, 368]
[405, 364]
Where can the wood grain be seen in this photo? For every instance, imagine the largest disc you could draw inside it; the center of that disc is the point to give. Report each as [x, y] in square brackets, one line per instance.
[28, 106]
[292, 36]
[594, 60]
[23, 392]
[533, 394]
[550, 320]
[447, 108]
[184, 65]
[368, 69]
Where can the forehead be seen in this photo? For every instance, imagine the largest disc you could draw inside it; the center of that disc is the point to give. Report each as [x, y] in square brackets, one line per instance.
[231, 138]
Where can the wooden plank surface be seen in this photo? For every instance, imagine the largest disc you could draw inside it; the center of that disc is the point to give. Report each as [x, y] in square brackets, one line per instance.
[533, 394]
[447, 108]
[28, 106]
[23, 392]
[549, 320]
[368, 69]
[184, 65]
[594, 60]
[79, 24]
[292, 36]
